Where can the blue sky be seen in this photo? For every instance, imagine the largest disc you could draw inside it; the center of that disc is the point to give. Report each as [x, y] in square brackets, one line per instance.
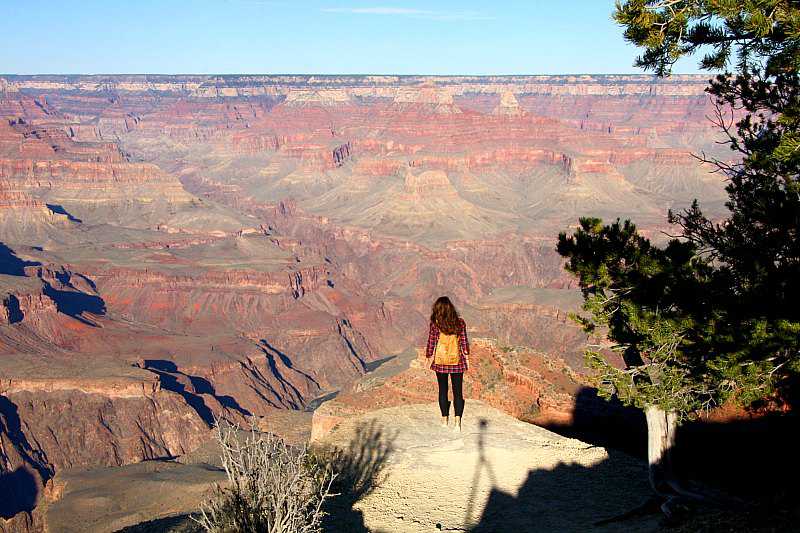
[314, 36]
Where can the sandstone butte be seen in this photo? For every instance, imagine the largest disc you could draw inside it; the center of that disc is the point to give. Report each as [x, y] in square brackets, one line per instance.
[175, 249]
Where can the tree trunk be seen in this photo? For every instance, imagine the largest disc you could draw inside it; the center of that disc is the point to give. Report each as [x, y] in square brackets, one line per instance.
[670, 491]
[661, 427]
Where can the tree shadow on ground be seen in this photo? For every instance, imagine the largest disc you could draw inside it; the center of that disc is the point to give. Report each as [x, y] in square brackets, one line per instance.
[751, 458]
[605, 423]
[359, 470]
[741, 457]
[568, 497]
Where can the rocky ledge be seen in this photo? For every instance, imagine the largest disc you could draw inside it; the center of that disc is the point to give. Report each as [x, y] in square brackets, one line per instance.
[496, 474]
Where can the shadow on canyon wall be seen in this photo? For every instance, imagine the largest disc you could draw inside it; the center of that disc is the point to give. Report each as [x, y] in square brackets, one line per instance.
[18, 492]
[319, 400]
[19, 488]
[271, 353]
[55, 208]
[75, 303]
[69, 302]
[15, 313]
[168, 374]
[372, 366]
[10, 264]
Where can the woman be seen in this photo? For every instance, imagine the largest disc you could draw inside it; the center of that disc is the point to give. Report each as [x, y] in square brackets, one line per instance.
[449, 348]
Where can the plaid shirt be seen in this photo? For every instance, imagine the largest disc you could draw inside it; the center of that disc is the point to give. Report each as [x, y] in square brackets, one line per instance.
[463, 345]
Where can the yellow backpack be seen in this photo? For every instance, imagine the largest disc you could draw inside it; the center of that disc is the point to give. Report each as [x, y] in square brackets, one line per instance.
[447, 351]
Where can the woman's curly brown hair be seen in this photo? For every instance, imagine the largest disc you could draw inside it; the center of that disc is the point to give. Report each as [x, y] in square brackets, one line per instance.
[445, 316]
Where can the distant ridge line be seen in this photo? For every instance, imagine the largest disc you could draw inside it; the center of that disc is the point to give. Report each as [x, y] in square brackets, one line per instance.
[703, 77]
[273, 85]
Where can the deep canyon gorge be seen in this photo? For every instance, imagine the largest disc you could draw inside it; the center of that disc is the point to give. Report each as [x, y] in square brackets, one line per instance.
[174, 249]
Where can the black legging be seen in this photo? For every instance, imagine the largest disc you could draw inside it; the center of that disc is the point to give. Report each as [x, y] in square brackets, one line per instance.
[458, 396]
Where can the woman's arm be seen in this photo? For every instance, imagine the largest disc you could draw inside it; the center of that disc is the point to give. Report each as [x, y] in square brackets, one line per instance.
[462, 339]
[433, 337]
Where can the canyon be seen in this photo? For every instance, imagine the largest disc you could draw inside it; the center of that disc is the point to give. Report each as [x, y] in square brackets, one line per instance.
[178, 249]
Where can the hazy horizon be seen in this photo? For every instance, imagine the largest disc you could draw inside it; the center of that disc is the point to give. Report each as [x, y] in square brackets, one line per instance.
[349, 74]
[324, 37]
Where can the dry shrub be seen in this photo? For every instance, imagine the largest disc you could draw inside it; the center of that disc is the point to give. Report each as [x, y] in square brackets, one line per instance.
[272, 487]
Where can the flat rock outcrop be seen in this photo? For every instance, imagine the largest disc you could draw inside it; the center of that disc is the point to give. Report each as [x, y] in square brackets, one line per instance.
[496, 474]
[522, 383]
[107, 500]
[330, 97]
[427, 98]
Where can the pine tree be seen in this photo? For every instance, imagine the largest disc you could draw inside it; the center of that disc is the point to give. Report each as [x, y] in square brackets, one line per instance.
[713, 316]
